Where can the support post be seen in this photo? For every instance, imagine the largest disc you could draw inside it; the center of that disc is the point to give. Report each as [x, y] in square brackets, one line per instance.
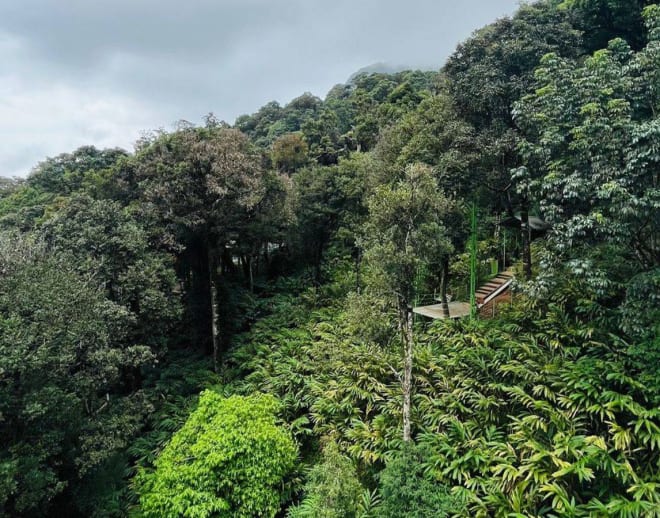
[444, 280]
[473, 263]
[526, 238]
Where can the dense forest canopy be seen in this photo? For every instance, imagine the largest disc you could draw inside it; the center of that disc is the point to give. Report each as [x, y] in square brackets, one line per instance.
[220, 323]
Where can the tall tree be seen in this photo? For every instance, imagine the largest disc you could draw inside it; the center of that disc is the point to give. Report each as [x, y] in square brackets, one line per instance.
[199, 184]
[487, 74]
[405, 233]
[592, 162]
[106, 241]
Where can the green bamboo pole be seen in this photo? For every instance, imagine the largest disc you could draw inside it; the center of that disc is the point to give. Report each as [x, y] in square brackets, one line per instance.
[473, 264]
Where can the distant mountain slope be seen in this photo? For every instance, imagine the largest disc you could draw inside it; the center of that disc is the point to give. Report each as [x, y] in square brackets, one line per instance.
[384, 68]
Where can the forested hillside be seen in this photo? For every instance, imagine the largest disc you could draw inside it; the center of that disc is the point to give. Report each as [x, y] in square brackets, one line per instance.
[219, 323]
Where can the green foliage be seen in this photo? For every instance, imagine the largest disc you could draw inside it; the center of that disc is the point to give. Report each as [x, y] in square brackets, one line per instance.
[432, 134]
[197, 179]
[66, 173]
[405, 232]
[332, 489]
[591, 163]
[65, 399]
[331, 384]
[407, 491]
[514, 416]
[540, 417]
[551, 410]
[603, 20]
[495, 67]
[107, 242]
[230, 458]
[289, 153]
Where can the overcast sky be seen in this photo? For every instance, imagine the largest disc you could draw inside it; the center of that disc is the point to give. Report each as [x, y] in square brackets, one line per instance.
[75, 72]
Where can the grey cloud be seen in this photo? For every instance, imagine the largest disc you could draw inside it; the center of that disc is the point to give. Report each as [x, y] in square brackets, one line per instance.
[162, 60]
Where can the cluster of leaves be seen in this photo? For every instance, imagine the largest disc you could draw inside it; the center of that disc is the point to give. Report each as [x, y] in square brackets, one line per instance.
[512, 417]
[66, 403]
[540, 417]
[591, 160]
[116, 261]
[230, 458]
[332, 489]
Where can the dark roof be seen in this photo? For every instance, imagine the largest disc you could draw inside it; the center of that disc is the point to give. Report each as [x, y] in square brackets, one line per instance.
[534, 223]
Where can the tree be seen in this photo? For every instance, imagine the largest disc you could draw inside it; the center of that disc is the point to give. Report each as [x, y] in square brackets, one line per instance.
[28, 202]
[404, 234]
[65, 405]
[487, 74]
[106, 241]
[230, 459]
[66, 173]
[591, 161]
[199, 185]
[495, 67]
[289, 153]
[603, 20]
[317, 203]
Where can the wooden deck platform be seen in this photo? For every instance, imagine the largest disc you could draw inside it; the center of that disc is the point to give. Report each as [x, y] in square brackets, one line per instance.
[456, 310]
[487, 296]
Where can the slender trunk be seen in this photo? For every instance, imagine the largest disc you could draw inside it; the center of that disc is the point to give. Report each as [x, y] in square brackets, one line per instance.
[407, 328]
[358, 270]
[214, 308]
[444, 280]
[526, 238]
[244, 266]
[251, 273]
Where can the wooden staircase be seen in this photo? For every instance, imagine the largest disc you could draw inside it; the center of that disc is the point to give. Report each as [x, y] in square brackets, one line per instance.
[493, 288]
[488, 296]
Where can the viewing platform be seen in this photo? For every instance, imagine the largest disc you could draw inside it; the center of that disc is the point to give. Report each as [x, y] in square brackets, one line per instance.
[487, 296]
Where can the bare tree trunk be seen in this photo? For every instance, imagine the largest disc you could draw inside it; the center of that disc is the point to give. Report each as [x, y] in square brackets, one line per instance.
[444, 280]
[407, 329]
[526, 238]
[251, 272]
[214, 308]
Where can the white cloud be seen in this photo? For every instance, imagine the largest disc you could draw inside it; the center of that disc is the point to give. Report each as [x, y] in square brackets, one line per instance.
[42, 122]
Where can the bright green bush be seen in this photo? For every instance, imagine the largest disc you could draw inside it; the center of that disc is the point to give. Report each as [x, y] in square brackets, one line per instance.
[230, 459]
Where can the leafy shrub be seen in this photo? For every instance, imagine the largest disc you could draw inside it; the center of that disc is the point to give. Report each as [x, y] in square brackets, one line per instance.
[408, 492]
[332, 489]
[230, 459]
